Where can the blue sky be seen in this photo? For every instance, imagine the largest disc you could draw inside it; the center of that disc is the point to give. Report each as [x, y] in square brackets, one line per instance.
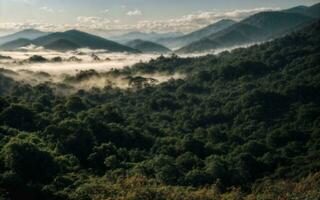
[112, 16]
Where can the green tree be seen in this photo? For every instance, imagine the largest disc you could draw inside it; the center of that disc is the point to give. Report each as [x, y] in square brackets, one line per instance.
[27, 160]
[72, 136]
[20, 117]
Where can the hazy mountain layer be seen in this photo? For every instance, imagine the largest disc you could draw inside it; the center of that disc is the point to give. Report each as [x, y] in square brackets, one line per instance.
[27, 34]
[153, 36]
[256, 28]
[16, 44]
[196, 35]
[61, 45]
[147, 46]
[70, 40]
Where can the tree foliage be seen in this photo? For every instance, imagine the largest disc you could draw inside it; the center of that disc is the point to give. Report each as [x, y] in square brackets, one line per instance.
[245, 119]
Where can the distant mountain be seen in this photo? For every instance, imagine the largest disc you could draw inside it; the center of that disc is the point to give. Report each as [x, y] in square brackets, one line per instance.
[313, 11]
[73, 39]
[16, 44]
[175, 42]
[256, 28]
[276, 21]
[26, 34]
[297, 9]
[153, 36]
[61, 45]
[147, 47]
[83, 40]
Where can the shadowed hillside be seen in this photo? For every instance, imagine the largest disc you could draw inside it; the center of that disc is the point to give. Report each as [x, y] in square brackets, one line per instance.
[71, 40]
[256, 28]
[147, 47]
[26, 34]
[197, 35]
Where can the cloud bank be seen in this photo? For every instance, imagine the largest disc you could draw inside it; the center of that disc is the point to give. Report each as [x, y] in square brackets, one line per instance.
[134, 13]
[93, 24]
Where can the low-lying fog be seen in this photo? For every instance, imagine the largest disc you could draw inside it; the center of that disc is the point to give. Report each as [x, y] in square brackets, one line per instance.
[81, 69]
[36, 65]
[71, 61]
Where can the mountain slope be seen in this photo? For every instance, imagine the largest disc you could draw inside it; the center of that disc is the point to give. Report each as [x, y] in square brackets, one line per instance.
[70, 40]
[153, 36]
[61, 45]
[27, 34]
[256, 28]
[312, 11]
[297, 9]
[83, 40]
[275, 21]
[16, 44]
[197, 35]
[147, 46]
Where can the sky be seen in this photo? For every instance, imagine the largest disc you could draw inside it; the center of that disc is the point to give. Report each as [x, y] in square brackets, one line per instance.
[110, 17]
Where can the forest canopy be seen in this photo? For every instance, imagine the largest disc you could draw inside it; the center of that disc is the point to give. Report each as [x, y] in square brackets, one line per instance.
[237, 125]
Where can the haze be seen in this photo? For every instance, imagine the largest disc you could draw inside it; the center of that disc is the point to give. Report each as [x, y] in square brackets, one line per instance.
[111, 17]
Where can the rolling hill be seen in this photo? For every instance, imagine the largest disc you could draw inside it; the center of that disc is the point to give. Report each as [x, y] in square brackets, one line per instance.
[70, 40]
[83, 40]
[61, 45]
[30, 34]
[16, 44]
[147, 46]
[152, 36]
[175, 42]
[256, 28]
[313, 11]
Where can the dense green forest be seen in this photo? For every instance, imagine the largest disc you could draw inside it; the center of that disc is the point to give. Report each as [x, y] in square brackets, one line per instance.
[241, 125]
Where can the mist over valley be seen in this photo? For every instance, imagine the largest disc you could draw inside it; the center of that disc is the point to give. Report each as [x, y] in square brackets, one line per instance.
[159, 100]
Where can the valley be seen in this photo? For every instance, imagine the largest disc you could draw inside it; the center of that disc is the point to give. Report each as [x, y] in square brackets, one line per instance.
[227, 110]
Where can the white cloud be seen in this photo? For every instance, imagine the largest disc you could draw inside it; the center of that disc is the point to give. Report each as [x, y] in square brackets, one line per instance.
[90, 19]
[23, 1]
[134, 13]
[105, 11]
[194, 21]
[47, 9]
[103, 25]
[96, 23]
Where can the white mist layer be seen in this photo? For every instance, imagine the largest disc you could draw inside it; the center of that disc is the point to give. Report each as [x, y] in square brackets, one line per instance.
[98, 60]
[107, 61]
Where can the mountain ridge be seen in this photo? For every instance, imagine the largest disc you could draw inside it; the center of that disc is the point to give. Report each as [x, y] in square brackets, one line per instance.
[26, 33]
[61, 45]
[197, 35]
[16, 44]
[147, 46]
[152, 36]
[75, 38]
[255, 28]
